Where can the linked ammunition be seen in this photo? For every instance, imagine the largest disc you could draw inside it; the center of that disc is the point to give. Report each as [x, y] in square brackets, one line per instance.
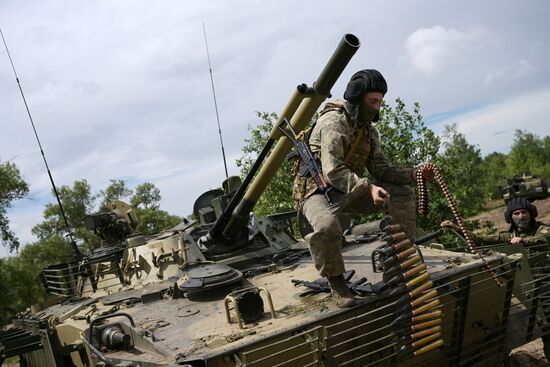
[402, 266]
[425, 325]
[426, 307]
[399, 277]
[400, 246]
[429, 347]
[425, 340]
[425, 297]
[427, 316]
[426, 332]
[421, 288]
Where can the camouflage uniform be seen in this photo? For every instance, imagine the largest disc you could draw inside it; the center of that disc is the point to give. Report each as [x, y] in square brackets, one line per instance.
[537, 238]
[345, 147]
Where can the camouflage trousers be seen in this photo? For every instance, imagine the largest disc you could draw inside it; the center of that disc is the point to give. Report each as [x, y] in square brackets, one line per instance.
[326, 240]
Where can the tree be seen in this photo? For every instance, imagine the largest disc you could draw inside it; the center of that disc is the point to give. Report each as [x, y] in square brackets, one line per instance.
[146, 202]
[12, 187]
[116, 190]
[529, 153]
[405, 139]
[146, 195]
[495, 172]
[20, 283]
[78, 201]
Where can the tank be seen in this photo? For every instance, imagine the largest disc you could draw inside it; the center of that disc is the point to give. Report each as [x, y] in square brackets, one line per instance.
[525, 186]
[231, 289]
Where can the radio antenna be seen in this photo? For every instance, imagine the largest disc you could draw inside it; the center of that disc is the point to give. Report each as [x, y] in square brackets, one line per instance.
[215, 103]
[74, 248]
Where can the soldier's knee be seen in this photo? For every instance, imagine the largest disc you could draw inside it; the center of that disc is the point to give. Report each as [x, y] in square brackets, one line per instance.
[327, 231]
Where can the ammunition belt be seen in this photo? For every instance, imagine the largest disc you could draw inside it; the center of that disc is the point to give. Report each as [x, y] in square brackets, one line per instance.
[418, 321]
[423, 209]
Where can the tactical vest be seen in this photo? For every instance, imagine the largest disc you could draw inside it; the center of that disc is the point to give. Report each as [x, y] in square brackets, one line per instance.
[356, 157]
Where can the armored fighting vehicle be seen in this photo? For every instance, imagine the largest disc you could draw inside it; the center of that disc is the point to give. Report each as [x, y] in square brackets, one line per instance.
[526, 186]
[230, 289]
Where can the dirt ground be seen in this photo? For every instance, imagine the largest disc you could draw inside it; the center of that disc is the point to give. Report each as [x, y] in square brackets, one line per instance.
[529, 355]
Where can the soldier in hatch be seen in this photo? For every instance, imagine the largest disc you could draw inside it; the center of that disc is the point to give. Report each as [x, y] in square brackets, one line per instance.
[524, 229]
[346, 142]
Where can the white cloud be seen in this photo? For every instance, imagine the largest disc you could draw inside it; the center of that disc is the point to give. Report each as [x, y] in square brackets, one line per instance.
[513, 72]
[433, 50]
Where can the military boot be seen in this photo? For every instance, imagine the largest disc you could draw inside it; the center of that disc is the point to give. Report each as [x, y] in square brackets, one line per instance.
[344, 297]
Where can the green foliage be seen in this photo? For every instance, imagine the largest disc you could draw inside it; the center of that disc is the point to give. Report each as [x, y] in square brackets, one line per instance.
[494, 167]
[116, 190]
[78, 201]
[152, 219]
[146, 195]
[145, 199]
[12, 187]
[278, 194]
[17, 284]
[529, 153]
[405, 139]
[20, 284]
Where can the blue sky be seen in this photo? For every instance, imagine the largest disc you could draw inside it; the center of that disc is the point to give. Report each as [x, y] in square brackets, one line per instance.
[122, 89]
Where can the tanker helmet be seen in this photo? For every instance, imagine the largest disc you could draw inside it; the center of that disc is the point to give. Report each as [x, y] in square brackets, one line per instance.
[363, 81]
[519, 203]
[368, 80]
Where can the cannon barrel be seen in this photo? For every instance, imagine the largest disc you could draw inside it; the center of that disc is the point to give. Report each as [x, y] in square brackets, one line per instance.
[299, 110]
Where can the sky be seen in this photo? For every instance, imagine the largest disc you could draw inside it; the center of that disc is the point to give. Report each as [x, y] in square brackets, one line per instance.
[121, 89]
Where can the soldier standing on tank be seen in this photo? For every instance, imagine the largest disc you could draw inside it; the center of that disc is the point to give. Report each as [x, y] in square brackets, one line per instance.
[345, 142]
[524, 229]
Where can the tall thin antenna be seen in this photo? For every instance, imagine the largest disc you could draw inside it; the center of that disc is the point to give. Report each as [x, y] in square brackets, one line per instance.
[74, 248]
[215, 103]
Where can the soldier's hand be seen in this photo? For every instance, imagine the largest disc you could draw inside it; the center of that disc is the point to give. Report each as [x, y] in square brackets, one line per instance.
[516, 240]
[427, 174]
[379, 195]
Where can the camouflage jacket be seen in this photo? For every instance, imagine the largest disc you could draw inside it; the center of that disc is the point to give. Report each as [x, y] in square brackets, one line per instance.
[540, 235]
[331, 140]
